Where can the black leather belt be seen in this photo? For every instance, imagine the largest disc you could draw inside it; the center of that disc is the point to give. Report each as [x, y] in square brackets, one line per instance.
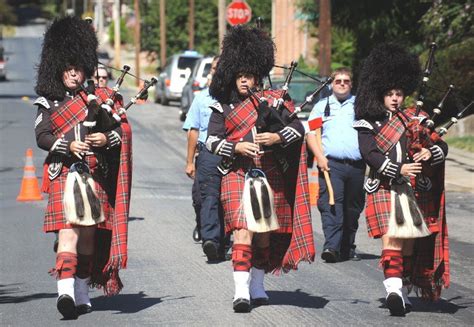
[347, 161]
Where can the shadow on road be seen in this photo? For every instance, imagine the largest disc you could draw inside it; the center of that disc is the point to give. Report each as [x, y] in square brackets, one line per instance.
[368, 256]
[135, 218]
[125, 303]
[7, 294]
[441, 306]
[297, 299]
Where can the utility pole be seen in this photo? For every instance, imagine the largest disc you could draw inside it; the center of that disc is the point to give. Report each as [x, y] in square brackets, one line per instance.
[100, 19]
[162, 33]
[191, 25]
[116, 17]
[137, 41]
[221, 21]
[324, 37]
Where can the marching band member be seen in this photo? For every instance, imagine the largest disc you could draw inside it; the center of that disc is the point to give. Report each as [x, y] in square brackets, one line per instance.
[259, 188]
[88, 178]
[405, 201]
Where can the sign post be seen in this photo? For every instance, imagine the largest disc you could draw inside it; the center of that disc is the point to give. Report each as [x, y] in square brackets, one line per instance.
[238, 12]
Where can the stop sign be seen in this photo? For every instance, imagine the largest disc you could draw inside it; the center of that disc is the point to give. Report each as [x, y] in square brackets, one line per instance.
[238, 12]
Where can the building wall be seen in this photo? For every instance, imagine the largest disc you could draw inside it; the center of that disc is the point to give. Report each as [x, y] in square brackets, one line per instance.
[290, 35]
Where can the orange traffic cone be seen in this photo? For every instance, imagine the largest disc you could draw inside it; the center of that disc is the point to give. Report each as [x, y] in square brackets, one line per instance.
[140, 86]
[313, 184]
[30, 190]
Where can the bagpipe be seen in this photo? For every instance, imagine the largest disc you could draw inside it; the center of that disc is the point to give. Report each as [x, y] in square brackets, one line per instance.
[423, 132]
[106, 116]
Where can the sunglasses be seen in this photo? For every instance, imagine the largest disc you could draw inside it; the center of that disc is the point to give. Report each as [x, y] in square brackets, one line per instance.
[340, 81]
[104, 77]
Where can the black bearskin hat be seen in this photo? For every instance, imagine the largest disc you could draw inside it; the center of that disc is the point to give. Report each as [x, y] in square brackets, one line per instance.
[388, 66]
[244, 50]
[68, 41]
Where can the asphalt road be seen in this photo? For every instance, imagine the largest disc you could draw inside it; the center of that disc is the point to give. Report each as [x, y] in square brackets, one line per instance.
[168, 281]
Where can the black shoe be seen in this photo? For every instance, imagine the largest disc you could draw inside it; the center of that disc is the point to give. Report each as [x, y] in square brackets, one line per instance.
[210, 248]
[67, 307]
[196, 234]
[351, 255]
[329, 255]
[394, 303]
[83, 309]
[241, 305]
[408, 308]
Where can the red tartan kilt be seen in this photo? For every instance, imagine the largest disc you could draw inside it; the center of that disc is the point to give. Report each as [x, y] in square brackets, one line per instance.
[55, 219]
[232, 190]
[377, 212]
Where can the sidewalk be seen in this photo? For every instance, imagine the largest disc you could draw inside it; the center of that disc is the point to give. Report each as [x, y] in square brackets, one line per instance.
[459, 171]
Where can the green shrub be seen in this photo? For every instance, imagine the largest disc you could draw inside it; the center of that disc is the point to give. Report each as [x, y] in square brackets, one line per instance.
[464, 143]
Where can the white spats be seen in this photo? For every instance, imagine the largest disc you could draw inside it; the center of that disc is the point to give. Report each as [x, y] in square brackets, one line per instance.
[257, 289]
[81, 291]
[393, 285]
[241, 282]
[66, 286]
[394, 299]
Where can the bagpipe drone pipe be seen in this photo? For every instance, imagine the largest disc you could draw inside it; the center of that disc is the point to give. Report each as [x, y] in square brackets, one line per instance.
[444, 114]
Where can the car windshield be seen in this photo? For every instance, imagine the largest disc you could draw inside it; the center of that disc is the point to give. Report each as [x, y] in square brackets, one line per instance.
[187, 62]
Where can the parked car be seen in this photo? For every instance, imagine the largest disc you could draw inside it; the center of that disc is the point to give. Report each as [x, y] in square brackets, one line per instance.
[299, 89]
[3, 68]
[195, 84]
[174, 75]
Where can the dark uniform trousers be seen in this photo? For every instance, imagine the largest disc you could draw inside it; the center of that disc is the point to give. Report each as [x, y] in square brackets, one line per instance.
[206, 196]
[340, 222]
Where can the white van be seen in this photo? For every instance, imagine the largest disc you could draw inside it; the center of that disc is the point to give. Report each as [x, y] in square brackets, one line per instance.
[174, 76]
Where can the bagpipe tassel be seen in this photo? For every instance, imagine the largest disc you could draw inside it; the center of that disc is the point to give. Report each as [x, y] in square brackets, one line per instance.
[92, 197]
[255, 203]
[398, 211]
[403, 204]
[267, 203]
[258, 203]
[79, 203]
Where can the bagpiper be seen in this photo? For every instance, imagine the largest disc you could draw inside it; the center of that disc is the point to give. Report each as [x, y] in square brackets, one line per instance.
[405, 188]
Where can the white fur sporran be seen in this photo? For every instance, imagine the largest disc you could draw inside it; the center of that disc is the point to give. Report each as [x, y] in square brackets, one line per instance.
[81, 203]
[258, 203]
[405, 209]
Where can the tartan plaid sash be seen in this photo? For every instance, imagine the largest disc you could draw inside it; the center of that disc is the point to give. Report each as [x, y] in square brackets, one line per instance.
[391, 133]
[240, 121]
[69, 115]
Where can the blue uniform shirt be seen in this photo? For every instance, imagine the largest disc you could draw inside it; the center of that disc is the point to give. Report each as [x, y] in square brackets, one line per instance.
[339, 138]
[199, 114]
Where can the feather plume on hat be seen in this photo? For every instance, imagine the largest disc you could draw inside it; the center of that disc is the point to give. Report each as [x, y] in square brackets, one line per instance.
[244, 50]
[388, 66]
[69, 41]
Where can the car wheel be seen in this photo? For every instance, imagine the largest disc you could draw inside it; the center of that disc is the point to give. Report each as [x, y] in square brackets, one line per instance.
[164, 100]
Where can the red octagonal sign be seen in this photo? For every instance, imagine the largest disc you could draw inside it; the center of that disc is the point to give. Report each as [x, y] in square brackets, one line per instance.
[238, 12]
